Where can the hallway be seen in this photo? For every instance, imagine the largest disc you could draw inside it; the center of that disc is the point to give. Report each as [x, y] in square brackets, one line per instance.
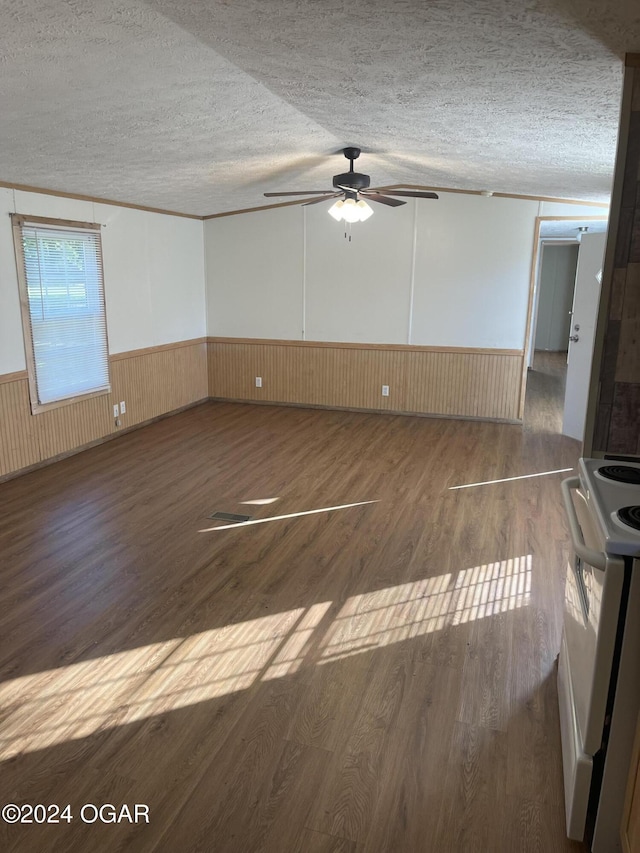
[544, 400]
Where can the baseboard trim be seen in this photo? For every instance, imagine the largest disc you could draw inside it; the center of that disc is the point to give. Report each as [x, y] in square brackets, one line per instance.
[360, 346]
[18, 376]
[136, 353]
[367, 411]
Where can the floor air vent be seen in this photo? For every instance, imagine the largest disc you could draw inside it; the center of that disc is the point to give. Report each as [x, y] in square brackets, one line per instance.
[229, 516]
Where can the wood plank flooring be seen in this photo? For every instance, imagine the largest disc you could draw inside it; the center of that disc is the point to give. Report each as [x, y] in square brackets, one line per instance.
[372, 670]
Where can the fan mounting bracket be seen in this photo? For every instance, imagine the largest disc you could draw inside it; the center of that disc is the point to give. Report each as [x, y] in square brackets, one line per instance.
[351, 153]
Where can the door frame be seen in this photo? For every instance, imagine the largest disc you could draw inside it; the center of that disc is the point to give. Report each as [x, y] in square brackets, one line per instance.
[533, 280]
[544, 243]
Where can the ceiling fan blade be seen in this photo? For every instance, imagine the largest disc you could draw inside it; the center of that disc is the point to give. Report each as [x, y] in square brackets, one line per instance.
[318, 200]
[374, 196]
[304, 192]
[404, 193]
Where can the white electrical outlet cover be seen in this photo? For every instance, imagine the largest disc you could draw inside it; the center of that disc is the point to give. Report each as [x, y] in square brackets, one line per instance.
[123, 408]
[116, 410]
[258, 381]
[385, 390]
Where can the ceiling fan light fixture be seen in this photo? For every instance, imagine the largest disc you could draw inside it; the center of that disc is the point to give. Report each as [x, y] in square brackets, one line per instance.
[350, 210]
[336, 210]
[365, 210]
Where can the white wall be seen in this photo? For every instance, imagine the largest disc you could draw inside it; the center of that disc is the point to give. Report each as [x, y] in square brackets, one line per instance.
[153, 265]
[11, 345]
[360, 290]
[255, 271]
[473, 264]
[454, 271]
[154, 277]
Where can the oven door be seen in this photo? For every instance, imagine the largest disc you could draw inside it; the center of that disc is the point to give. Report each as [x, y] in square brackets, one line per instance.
[591, 610]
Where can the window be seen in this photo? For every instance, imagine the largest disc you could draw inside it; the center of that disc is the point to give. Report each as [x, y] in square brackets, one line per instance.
[63, 312]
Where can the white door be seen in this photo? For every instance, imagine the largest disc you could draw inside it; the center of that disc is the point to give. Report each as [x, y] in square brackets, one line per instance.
[583, 324]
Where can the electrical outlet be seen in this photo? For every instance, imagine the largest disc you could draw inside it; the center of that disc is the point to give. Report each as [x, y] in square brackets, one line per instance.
[123, 408]
[385, 390]
[116, 410]
[258, 381]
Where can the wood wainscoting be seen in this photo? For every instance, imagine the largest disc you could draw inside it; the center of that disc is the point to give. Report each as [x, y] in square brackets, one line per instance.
[446, 381]
[459, 383]
[151, 381]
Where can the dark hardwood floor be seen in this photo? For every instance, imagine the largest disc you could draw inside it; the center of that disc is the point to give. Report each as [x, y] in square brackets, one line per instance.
[367, 665]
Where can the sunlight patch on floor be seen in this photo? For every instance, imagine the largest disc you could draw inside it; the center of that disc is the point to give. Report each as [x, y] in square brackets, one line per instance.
[281, 517]
[380, 618]
[75, 701]
[78, 700]
[492, 588]
[510, 479]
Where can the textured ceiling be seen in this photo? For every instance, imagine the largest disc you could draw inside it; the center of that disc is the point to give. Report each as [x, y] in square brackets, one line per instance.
[569, 229]
[203, 105]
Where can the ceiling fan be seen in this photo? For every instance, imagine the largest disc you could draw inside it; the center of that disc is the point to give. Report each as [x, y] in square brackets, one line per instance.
[353, 191]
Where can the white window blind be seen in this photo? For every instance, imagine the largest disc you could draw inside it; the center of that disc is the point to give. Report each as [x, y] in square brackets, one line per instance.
[65, 299]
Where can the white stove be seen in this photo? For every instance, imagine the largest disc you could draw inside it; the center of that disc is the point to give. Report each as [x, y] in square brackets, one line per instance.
[598, 683]
[612, 489]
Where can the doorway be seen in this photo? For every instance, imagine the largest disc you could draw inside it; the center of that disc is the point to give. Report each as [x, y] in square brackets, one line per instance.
[554, 296]
[557, 274]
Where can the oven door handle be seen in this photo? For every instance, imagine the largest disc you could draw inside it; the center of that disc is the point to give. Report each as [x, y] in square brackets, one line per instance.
[591, 557]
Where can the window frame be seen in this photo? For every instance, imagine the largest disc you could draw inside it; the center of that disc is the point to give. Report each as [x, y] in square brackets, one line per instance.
[65, 225]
